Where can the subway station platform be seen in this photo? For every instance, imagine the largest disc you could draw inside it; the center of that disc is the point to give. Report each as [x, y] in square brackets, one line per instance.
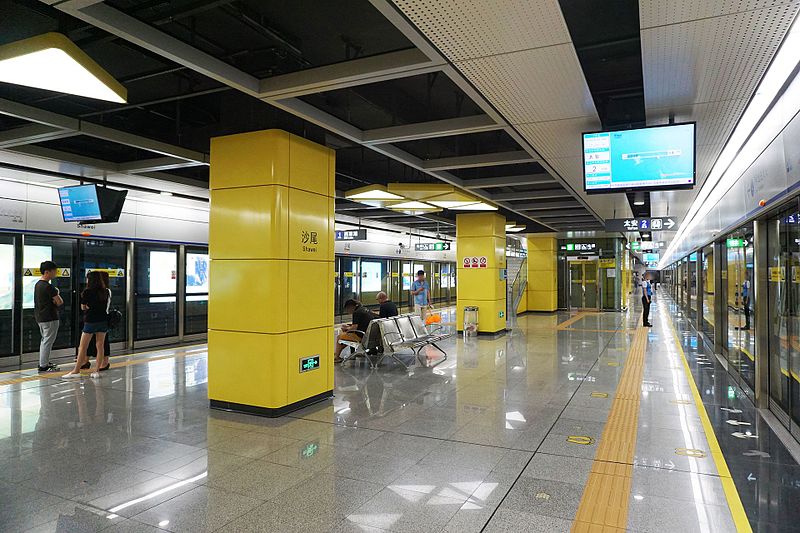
[570, 422]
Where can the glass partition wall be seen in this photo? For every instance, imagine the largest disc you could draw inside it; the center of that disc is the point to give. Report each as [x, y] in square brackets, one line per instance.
[708, 293]
[740, 336]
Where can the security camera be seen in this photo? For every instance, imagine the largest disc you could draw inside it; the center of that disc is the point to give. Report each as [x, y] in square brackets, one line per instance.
[401, 245]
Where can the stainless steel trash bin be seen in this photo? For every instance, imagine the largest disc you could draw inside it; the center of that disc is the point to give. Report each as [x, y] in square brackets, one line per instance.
[470, 321]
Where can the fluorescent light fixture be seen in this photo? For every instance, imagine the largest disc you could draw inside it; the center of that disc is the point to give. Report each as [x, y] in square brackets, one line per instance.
[479, 206]
[371, 192]
[165, 193]
[752, 134]
[413, 204]
[638, 202]
[450, 204]
[514, 229]
[51, 61]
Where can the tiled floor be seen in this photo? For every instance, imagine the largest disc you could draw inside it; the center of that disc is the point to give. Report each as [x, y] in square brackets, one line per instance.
[490, 440]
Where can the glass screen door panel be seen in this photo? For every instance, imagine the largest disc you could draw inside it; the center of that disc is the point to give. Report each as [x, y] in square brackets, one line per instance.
[576, 285]
[61, 251]
[7, 278]
[196, 309]
[109, 257]
[709, 292]
[590, 298]
[156, 291]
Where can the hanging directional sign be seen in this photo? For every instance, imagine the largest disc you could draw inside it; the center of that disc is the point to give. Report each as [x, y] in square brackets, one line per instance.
[642, 224]
[432, 246]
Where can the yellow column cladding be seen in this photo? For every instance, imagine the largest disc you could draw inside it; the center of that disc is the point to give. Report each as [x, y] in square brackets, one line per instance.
[542, 292]
[481, 238]
[272, 250]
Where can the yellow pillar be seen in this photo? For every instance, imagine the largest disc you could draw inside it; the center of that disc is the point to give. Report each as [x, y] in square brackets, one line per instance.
[482, 235]
[271, 295]
[542, 290]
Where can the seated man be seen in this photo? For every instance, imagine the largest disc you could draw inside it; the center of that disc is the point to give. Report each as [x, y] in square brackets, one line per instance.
[361, 319]
[388, 308]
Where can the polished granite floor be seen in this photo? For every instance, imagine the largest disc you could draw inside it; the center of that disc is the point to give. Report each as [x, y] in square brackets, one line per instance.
[500, 437]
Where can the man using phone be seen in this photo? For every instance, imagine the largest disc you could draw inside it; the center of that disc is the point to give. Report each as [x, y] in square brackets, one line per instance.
[46, 301]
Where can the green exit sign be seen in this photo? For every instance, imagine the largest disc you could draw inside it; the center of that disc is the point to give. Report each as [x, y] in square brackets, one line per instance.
[635, 246]
[570, 247]
[734, 243]
[309, 363]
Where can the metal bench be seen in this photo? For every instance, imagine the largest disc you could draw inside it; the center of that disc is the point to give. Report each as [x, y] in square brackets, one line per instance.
[401, 333]
[369, 346]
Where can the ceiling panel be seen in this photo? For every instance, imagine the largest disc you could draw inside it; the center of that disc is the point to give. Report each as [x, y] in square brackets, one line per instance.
[711, 59]
[533, 85]
[660, 13]
[559, 138]
[467, 30]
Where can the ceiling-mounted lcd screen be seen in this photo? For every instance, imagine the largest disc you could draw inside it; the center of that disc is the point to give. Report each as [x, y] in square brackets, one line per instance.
[90, 203]
[654, 158]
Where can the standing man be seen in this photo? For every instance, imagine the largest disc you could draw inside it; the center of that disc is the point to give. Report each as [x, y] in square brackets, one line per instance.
[647, 298]
[421, 292]
[746, 300]
[46, 301]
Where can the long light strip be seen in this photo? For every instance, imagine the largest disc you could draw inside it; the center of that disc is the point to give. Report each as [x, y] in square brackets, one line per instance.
[743, 148]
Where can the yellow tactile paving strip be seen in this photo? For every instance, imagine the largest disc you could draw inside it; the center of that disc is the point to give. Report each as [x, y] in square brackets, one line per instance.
[575, 318]
[604, 505]
[114, 360]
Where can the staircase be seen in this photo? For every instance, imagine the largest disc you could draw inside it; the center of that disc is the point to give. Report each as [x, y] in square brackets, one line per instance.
[516, 284]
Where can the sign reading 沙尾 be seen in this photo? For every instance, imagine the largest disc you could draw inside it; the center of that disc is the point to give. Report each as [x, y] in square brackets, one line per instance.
[310, 240]
[642, 224]
[350, 235]
[432, 246]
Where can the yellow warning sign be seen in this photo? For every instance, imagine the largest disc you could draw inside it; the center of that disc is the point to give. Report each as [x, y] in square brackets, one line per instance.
[395, 274]
[599, 395]
[690, 452]
[580, 439]
[348, 274]
[112, 272]
[30, 272]
[777, 273]
[607, 263]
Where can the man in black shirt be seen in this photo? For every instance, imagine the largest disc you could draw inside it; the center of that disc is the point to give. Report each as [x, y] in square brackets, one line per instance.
[388, 308]
[361, 319]
[46, 301]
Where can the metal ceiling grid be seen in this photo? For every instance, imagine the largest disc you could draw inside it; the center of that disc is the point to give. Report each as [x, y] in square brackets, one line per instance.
[661, 13]
[530, 74]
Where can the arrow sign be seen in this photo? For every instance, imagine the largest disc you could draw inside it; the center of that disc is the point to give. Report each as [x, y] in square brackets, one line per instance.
[755, 453]
[669, 223]
[737, 423]
[740, 435]
[751, 477]
[728, 409]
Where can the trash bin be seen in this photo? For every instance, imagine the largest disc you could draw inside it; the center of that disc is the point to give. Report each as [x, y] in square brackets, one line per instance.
[470, 321]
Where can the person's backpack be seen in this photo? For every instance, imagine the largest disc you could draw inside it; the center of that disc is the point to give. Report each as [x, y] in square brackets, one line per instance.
[114, 318]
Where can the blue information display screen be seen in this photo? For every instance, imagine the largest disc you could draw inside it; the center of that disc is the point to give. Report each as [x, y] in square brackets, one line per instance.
[79, 203]
[661, 157]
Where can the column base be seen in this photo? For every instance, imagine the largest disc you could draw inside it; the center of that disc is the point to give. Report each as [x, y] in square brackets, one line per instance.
[269, 412]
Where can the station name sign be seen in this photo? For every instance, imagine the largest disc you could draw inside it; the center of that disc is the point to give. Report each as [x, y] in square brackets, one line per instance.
[432, 246]
[641, 224]
[350, 235]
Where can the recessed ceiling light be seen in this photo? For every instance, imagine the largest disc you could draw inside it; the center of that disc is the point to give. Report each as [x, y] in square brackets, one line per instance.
[51, 61]
[514, 229]
[638, 202]
[413, 205]
[166, 193]
[371, 192]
